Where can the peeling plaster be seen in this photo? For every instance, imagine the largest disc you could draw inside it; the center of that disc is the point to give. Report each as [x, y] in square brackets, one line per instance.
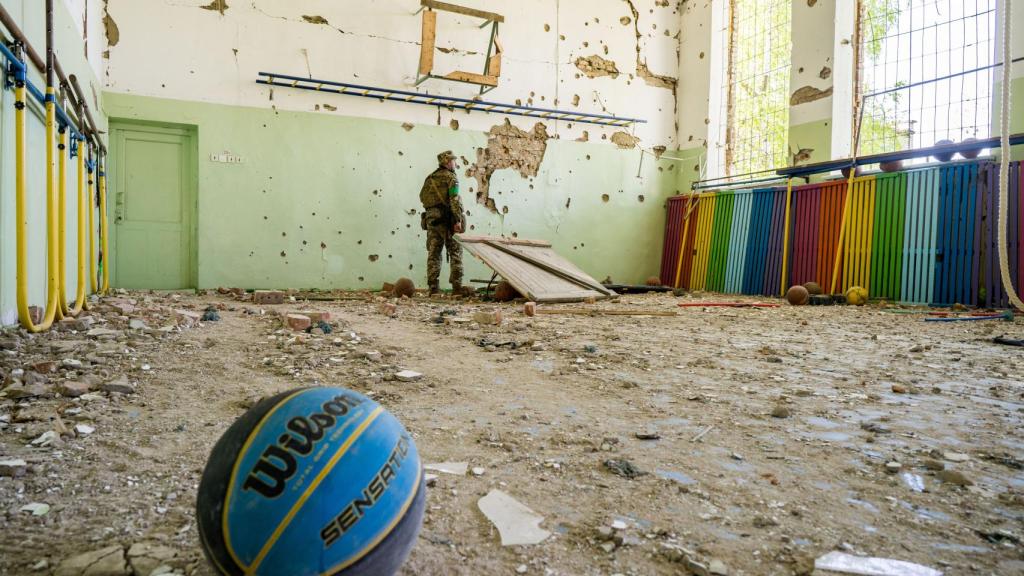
[508, 147]
[316, 19]
[625, 140]
[809, 94]
[642, 70]
[595, 66]
[110, 26]
[217, 6]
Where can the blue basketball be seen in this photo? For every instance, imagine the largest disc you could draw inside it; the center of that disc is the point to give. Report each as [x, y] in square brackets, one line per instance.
[312, 481]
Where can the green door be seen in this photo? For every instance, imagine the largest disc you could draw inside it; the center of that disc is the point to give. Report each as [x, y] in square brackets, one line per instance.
[151, 183]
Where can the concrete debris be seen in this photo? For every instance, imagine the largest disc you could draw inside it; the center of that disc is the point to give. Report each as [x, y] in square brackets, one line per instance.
[13, 468]
[408, 376]
[266, 297]
[36, 508]
[109, 561]
[456, 468]
[516, 523]
[623, 468]
[849, 564]
[46, 438]
[84, 429]
[492, 318]
[150, 558]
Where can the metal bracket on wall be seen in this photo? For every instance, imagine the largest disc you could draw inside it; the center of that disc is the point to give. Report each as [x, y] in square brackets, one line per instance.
[449, 102]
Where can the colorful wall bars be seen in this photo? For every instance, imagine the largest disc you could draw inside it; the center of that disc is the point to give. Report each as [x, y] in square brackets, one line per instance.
[923, 237]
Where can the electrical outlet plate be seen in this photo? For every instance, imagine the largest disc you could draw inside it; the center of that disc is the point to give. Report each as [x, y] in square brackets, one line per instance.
[227, 158]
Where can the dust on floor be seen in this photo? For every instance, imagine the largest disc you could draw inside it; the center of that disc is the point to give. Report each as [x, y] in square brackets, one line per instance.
[760, 438]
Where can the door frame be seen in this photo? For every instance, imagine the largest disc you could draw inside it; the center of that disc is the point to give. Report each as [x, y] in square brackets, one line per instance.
[115, 182]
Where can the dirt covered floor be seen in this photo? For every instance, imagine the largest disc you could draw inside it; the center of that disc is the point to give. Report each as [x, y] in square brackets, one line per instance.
[721, 441]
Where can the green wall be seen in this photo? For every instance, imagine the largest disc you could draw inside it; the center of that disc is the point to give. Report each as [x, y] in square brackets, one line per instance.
[328, 201]
[69, 50]
[814, 136]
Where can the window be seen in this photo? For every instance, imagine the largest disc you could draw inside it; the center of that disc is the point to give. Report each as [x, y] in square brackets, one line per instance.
[756, 102]
[903, 43]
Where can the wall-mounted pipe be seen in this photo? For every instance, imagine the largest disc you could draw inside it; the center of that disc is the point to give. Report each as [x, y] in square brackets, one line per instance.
[93, 284]
[24, 313]
[88, 114]
[104, 234]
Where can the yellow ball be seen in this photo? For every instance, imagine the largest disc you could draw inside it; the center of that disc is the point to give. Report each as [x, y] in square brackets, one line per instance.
[857, 296]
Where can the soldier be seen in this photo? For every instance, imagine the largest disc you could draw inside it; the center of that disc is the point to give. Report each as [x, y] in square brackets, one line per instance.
[442, 220]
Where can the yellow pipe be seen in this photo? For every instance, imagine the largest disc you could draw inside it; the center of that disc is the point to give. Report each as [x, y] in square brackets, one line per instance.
[21, 225]
[80, 295]
[62, 205]
[785, 236]
[92, 233]
[842, 230]
[105, 246]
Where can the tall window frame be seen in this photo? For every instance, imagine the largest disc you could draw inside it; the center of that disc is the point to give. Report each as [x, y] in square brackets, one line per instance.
[931, 61]
[754, 119]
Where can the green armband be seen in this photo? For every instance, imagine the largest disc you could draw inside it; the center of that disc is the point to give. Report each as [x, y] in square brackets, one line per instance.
[454, 190]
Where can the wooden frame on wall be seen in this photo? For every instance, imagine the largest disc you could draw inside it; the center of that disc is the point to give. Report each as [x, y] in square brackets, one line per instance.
[492, 69]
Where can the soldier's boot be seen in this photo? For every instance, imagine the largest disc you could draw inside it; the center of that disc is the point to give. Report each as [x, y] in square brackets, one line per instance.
[434, 290]
[457, 289]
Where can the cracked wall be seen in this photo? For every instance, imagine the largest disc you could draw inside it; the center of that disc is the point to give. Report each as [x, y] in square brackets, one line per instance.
[359, 163]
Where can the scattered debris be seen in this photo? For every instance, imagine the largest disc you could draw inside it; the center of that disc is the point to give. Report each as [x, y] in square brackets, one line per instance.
[849, 564]
[36, 508]
[456, 468]
[517, 524]
[408, 376]
[624, 468]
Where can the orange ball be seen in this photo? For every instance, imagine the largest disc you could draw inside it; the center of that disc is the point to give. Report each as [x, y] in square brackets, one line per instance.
[404, 287]
[798, 296]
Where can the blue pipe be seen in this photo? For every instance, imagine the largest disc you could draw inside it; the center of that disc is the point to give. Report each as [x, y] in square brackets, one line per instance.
[20, 70]
[17, 64]
[469, 104]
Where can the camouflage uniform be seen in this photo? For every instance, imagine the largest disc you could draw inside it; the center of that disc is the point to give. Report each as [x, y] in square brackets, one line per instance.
[440, 197]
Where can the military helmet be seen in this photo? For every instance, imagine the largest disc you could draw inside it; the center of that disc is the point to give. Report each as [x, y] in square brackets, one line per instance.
[445, 157]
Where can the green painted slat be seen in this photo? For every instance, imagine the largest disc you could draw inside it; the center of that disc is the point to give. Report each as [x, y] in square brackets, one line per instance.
[887, 241]
[720, 242]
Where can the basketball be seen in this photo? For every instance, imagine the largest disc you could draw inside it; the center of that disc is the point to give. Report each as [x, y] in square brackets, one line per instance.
[654, 281]
[813, 288]
[970, 154]
[857, 296]
[797, 296]
[404, 287]
[505, 292]
[312, 481]
[944, 156]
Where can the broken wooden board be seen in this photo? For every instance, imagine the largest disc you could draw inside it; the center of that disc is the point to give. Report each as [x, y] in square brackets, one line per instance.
[534, 269]
[429, 41]
[488, 16]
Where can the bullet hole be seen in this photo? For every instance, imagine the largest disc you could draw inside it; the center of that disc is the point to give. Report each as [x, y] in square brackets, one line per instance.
[360, 242]
[519, 102]
[504, 209]
[390, 257]
[582, 245]
[588, 156]
[323, 246]
[314, 213]
[586, 44]
[575, 99]
[304, 243]
[515, 235]
[400, 153]
[283, 234]
[640, 198]
[410, 266]
[264, 217]
[472, 226]
[567, 203]
[454, 124]
[605, 198]
[361, 279]
[374, 257]
[561, 37]
[374, 192]
[547, 27]
[251, 254]
[701, 55]
[283, 254]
